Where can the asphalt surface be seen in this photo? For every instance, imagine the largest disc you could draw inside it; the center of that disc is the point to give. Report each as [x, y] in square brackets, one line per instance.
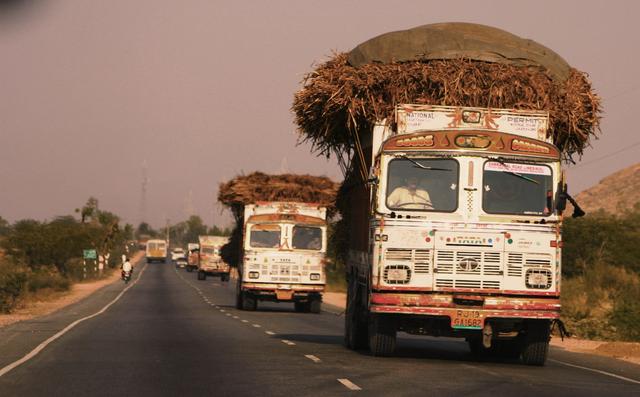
[170, 334]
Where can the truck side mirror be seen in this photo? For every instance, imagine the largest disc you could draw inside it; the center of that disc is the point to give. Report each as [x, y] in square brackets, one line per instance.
[561, 198]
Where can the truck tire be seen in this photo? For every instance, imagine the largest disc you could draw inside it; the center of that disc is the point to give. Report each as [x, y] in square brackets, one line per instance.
[224, 277]
[300, 307]
[238, 296]
[536, 342]
[315, 306]
[355, 329]
[201, 275]
[189, 269]
[382, 336]
[249, 302]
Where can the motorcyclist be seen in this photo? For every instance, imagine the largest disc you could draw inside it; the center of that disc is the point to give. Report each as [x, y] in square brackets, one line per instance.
[126, 268]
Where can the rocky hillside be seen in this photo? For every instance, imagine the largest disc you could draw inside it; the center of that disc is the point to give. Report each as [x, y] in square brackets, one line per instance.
[614, 194]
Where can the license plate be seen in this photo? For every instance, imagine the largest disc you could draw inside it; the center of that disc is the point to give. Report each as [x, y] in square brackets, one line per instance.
[467, 319]
[284, 295]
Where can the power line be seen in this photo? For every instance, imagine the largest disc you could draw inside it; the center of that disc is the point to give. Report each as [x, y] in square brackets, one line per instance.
[606, 156]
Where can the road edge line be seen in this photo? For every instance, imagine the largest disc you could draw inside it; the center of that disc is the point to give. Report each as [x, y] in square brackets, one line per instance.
[8, 368]
[599, 371]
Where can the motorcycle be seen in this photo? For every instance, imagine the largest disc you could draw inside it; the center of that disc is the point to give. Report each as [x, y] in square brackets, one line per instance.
[126, 276]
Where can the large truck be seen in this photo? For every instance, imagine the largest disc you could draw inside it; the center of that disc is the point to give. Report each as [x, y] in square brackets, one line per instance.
[282, 255]
[156, 250]
[210, 262]
[192, 256]
[457, 232]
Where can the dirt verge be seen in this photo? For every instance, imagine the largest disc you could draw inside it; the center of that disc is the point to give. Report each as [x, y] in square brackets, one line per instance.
[58, 300]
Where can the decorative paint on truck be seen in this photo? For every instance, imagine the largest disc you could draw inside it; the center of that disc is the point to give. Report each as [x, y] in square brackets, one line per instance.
[283, 253]
[210, 262]
[457, 232]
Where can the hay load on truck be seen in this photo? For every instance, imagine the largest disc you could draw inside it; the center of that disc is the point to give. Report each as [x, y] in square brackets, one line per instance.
[451, 137]
[156, 251]
[210, 262]
[280, 241]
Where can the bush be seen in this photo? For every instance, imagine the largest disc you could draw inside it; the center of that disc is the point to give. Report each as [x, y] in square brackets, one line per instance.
[603, 303]
[47, 278]
[12, 285]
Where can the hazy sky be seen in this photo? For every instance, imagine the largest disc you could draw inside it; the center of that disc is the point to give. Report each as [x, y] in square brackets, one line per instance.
[201, 90]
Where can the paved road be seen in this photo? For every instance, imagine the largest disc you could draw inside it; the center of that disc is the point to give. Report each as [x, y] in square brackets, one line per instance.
[171, 335]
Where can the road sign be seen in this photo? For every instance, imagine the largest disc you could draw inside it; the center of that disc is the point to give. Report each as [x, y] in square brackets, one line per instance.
[89, 254]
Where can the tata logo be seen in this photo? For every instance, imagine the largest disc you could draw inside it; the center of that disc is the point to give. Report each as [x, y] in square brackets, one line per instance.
[468, 265]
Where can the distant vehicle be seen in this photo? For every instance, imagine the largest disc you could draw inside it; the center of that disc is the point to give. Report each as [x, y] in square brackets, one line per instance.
[210, 262]
[283, 253]
[178, 253]
[156, 251]
[192, 256]
[181, 263]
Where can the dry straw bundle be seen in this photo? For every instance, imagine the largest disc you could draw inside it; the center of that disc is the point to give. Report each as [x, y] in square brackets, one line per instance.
[338, 99]
[247, 189]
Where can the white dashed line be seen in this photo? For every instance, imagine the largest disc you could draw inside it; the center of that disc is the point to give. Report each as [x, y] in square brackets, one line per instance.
[257, 325]
[245, 321]
[229, 314]
[597, 371]
[269, 333]
[349, 385]
[222, 310]
[288, 342]
[236, 317]
[312, 358]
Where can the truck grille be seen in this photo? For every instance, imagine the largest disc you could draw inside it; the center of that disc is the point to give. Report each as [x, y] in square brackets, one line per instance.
[464, 269]
[516, 261]
[421, 258]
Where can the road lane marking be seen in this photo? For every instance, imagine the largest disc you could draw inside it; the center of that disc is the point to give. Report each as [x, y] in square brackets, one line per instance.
[222, 310]
[257, 325]
[288, 342]
[44, 344]
[236, 317]
[312, 358]
[349, 385]
[228, 314]
[597, 371]
[245, 321]
[269, 333]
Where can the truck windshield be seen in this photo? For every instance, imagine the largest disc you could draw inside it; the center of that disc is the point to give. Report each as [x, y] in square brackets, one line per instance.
[265, 236]
[307, 238]
[422, 184]
[208, 251]
[516, 188]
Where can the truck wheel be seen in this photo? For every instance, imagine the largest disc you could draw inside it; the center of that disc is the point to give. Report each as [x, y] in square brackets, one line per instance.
[300, 307]
[315, 306]
[536, 342]
[249, 302]
[382, 336]
[238, 296]
[189, 269]
[201, 275]
[355, 330]
[224, 277]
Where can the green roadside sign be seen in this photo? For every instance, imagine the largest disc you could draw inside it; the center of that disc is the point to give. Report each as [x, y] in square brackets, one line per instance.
[89, 254]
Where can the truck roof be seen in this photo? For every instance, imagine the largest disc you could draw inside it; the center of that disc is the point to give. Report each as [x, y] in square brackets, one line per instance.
[284, 207]
[213, 240]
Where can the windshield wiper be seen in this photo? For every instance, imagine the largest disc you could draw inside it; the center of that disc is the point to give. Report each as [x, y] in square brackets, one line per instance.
[501, 161]
[424, 167]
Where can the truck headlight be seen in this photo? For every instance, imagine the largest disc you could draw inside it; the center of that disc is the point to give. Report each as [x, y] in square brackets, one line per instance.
[397, 274]
[254, 274]
[538, 278]
[314, 276]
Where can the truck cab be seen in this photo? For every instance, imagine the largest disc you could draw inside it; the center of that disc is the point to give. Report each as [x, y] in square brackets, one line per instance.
[210, 262]
[156, 250]
[283, 253]
[463, 232]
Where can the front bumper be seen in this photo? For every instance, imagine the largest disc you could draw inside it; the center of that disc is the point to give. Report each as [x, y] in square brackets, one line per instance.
[283, 292]
[450, 304]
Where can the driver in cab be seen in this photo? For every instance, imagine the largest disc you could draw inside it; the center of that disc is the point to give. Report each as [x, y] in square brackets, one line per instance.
[409, 196]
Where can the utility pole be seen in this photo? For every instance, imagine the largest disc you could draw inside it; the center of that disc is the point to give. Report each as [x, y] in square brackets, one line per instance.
[143, 196]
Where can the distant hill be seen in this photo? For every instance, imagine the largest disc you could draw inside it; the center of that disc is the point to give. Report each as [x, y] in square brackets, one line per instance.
[614, 194]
